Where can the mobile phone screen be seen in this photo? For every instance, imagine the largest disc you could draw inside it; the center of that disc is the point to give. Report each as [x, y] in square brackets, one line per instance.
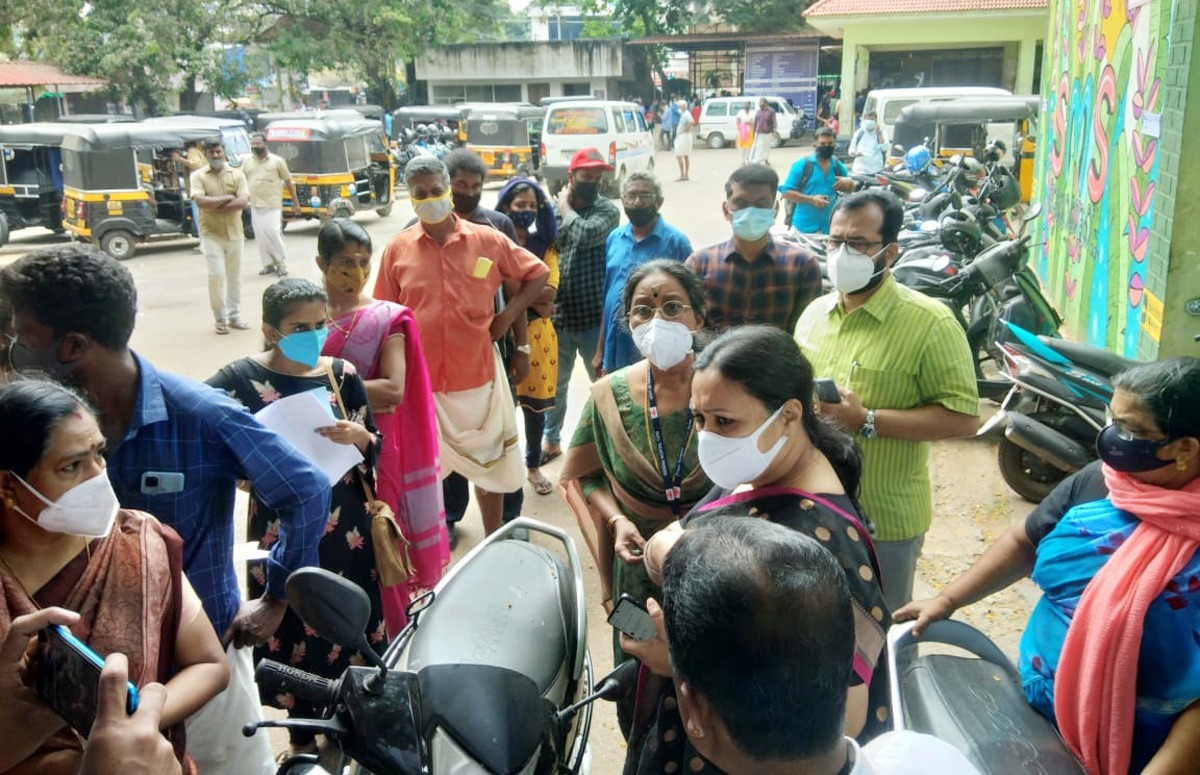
[630, 617]
[68, 678]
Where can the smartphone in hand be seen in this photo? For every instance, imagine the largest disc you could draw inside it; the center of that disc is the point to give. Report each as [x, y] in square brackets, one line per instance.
[630, 616]
[827, 390]
[68, 678]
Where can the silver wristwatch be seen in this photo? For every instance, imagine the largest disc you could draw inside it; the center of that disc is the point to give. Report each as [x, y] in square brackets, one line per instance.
[867, 431]
[524, 348]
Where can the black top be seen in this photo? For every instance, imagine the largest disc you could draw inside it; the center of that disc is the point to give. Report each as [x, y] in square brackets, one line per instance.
[1083, 486]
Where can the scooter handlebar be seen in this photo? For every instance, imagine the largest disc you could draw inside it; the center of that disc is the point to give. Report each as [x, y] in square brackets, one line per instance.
[305, 686]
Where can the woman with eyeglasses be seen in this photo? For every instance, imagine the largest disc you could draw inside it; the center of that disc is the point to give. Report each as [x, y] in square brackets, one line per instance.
[634, 455]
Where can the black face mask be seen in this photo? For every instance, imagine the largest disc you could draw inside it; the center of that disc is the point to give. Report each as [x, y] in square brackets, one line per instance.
[586, 191]
[824, 151]
[523, 219]
[465, 204]
[259, 152]
[23, 359]
[641, 216]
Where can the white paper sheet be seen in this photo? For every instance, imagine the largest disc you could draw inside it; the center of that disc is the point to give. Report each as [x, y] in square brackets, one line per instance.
[296, 418]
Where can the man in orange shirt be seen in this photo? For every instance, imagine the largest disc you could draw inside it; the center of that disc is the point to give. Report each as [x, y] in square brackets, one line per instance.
[447, 271]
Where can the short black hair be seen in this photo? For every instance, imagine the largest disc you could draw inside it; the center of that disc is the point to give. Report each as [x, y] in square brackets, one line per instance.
[888, 203]
[823, 132]
[1167, 390]
[213, 142]
[336, 234]
[752, 175]
[759, 620]
[263, 135]
[30, 410]
[74, 289]
[690, 281]
[279, 297]
[462, 160]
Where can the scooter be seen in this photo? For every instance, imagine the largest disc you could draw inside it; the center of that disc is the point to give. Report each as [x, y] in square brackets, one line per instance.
[1055, 409]
[491, 674]
[975, 702]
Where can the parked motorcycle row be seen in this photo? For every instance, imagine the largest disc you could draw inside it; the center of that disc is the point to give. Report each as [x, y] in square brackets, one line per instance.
[430, 140]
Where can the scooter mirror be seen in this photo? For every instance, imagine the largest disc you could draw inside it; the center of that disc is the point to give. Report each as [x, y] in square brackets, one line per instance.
[334, 606]
[898, 149]
[917, 194]
[1033, 211]
[956, 159]
[929, 227]
[619, 681]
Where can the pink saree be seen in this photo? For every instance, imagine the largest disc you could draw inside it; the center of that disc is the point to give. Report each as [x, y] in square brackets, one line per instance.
[408, 477]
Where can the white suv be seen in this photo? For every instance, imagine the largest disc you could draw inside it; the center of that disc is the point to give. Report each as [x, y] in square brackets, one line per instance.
[718, 119]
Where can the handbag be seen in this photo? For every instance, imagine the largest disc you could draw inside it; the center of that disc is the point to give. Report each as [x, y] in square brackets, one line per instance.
[393, 564]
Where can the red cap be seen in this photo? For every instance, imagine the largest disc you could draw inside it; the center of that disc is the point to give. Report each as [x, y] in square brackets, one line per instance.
[588, 159]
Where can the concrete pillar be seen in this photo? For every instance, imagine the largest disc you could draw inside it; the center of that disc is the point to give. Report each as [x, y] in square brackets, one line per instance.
[849, 82]
[1026, 59]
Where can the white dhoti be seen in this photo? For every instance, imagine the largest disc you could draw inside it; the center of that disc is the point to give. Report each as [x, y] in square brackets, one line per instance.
[477, 434]
[761, 150]
[214, 733]
[267, 223]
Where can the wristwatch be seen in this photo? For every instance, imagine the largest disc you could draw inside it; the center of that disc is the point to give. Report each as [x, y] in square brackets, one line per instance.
[867, 431]
[524, 348]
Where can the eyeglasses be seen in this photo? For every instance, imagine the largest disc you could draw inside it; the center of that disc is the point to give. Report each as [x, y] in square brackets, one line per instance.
[636, 199]
[641, 313]
[833, 244]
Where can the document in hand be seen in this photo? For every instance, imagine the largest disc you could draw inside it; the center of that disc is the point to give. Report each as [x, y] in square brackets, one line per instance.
[296, 418]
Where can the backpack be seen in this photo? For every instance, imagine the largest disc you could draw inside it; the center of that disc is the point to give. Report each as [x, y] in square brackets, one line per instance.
[789, 207]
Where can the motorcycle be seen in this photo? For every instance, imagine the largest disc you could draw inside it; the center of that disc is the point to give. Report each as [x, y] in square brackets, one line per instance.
[1055, 409]
[491, 674]
[974, 703]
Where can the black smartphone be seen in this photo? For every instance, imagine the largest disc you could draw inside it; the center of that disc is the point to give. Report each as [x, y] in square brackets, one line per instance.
[68, 678]
[827, 390]
[630, 616]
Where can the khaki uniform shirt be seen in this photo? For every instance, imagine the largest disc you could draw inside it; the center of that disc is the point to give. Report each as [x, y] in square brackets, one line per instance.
[267, 178]
[225, 224]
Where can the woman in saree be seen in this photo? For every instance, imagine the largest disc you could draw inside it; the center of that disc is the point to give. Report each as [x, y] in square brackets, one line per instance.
[1114, 550]
[69, 555]
[380, 339]
[771, 457]
[633, 455]
[524, 201]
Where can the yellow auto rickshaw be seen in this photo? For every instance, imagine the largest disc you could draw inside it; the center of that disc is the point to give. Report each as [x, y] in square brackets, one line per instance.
[31, 181]
[506, 137]
[125, 183]
[339, 166]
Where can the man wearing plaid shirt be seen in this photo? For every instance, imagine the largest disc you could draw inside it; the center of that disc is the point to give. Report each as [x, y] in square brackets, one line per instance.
[753, 278]
[586, 219]
[177, 450]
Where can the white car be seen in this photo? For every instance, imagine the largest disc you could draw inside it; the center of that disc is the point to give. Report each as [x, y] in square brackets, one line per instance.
[718, 119]
[617, 129]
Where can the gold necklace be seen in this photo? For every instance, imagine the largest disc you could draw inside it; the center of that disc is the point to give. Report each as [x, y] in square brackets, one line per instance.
[357, 314]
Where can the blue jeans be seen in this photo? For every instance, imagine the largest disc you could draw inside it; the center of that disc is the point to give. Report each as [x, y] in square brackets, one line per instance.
[570, 343]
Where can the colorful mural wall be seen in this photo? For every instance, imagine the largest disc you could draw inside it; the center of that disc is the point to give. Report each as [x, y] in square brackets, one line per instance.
[1098, 168]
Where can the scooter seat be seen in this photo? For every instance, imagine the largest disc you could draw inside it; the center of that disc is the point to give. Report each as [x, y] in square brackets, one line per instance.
[1100, 361]
[979, 708]
[508, 607]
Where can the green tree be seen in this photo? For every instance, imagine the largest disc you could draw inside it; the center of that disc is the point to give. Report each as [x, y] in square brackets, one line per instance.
[763, 15]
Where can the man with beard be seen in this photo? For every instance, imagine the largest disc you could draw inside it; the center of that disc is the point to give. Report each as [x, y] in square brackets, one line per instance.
[586, 220]
[904, 370]
[267, 176]
[646, 237]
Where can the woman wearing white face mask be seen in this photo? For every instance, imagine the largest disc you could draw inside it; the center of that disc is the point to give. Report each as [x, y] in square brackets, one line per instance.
[70, 555]
[772, 457]
[636, 438]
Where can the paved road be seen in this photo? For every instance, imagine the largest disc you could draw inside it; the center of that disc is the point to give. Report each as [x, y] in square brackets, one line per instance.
[175, 330]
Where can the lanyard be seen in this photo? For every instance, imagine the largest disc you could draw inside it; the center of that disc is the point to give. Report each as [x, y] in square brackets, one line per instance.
[671, 485]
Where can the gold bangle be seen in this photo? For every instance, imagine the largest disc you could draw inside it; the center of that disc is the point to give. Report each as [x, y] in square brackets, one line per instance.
[612, 521]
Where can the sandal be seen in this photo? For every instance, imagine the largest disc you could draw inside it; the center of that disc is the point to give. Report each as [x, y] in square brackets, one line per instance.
[222, 328]
[541, 485]
[548, 455]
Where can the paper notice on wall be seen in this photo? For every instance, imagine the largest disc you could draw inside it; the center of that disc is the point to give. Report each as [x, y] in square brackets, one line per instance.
[1152, 316]
[1151, 124]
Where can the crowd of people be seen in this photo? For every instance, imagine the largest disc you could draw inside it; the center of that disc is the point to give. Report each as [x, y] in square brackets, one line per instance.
[772, 533]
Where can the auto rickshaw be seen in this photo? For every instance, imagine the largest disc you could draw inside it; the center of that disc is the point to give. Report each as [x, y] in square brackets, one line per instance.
[963, 126]
[123, 184]
[31, 182]
[506, 137]
[263, 120]
[339, 166]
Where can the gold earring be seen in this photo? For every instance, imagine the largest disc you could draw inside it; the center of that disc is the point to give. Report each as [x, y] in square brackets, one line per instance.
[1180, 464]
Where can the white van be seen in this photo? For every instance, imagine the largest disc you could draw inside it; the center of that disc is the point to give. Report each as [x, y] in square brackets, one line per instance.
[887, 103]
[718, 119]
[617, 129]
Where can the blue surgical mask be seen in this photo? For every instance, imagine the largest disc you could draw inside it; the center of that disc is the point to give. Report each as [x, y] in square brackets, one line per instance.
[304, 346]
[753, 223]
[868, 125]
[1129, 455]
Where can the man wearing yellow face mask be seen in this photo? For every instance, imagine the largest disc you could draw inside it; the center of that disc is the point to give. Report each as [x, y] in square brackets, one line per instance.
[448, 272]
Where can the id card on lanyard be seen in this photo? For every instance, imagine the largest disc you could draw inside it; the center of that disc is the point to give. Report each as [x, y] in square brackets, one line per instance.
[671, 484]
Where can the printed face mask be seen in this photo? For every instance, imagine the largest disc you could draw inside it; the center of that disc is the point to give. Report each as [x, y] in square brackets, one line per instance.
[349, 280]
[434, 209]
[753, 223]
[851, 271]
[87, 509]
[732, 461]
[1128, 455]
[665, 343]
[304, 346]
[523, 219]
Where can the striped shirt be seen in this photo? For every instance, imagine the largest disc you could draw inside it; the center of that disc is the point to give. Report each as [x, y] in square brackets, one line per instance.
[900, 350]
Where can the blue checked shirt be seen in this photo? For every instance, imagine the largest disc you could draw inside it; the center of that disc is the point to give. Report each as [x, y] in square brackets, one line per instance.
[181, 426]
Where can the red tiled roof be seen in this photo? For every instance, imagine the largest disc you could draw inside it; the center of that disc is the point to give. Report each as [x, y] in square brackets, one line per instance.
[33, 74]
[873, 7]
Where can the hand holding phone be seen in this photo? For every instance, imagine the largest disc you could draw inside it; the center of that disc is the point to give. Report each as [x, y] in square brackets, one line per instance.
[68, 678]
[630, 616]
[827, 391]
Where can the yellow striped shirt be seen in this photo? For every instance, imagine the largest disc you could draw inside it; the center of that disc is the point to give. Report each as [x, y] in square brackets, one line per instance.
[900, 350]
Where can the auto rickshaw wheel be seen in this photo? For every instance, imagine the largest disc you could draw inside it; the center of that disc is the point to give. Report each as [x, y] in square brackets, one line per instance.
[384, 211]
[119, 244]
